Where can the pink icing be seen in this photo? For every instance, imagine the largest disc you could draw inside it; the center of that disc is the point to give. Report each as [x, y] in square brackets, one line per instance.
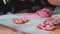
[50, 27]
[39, 14]
[44, 12]
[49, 24]
[31, 16]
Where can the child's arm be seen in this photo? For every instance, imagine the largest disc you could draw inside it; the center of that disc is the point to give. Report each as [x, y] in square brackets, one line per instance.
[54, 2]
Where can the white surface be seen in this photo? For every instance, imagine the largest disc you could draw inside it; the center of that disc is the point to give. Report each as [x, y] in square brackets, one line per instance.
[37, 31]
[30, 27]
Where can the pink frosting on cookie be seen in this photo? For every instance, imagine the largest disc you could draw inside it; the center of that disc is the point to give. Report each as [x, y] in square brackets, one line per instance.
[44, 12]
[49, 24]
[39, 14]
